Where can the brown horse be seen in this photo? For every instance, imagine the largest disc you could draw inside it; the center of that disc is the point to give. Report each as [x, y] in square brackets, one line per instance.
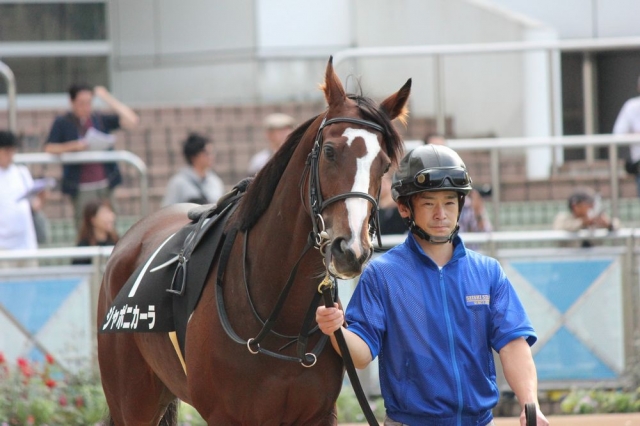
[328, 198]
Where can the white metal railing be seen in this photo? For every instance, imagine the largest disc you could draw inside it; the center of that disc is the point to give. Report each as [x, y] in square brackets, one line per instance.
[625, 244]
[57, 253]
[95, 157]
[494, 145]
[532, 236]
[439, 52]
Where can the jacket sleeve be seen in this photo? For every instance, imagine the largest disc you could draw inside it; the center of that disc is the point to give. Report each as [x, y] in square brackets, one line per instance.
[508, 317]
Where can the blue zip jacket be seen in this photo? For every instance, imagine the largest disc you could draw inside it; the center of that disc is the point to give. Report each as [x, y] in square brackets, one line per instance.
[433, 330]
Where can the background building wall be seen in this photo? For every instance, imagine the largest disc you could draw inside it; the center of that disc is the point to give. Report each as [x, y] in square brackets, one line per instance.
[580, 18]
[269, 51]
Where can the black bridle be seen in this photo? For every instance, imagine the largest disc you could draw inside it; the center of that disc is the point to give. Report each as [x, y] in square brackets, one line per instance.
[327, 289]
[316, 202]
[317, 238]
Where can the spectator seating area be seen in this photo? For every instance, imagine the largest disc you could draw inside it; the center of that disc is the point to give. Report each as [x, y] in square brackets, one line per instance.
[237, 134]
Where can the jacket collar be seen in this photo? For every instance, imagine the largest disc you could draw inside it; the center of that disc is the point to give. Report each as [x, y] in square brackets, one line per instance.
[459, 250]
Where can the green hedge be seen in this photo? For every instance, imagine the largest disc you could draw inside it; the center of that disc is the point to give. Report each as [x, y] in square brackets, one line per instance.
[601, 401]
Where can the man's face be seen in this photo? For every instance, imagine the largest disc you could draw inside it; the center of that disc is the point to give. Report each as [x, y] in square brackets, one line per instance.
[435, 212]
[582, 209]
[6, 156]
[81, 105]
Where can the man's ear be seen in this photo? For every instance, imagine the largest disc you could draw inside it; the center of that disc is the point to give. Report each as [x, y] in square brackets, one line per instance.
[403, 208]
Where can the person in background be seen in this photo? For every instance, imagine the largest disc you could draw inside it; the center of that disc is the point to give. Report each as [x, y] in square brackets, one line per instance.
[391, 223]
[40, 220]
[85, 182]
[628, 121]
[98, 227]
[433, 311]
[474, 216]
[583, 213]
[433, 138]
[17, 231]
[278, 126]
[196, 183]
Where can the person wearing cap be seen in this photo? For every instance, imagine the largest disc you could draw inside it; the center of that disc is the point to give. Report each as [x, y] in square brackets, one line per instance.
[433, 311]
[277, 126]
[584, 214]
[17, 231]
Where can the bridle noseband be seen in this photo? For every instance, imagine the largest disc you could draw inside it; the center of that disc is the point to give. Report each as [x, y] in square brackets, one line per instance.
[316, 202]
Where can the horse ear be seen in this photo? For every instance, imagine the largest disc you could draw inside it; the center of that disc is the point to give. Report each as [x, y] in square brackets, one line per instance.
[333, 91]
[396, 105]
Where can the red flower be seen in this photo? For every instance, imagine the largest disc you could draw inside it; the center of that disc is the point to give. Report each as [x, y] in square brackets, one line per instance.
[31, 420]
[23, 362]
[2, 358]
[62, 401]
[26, 370]
[50, 383]
[79, 402]
[50, 359]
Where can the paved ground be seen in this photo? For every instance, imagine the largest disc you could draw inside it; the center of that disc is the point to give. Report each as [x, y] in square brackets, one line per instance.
[632, 419]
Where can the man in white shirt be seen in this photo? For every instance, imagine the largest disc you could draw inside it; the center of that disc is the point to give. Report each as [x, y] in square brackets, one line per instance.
[16, 222]
[278, 126]
[628, 121]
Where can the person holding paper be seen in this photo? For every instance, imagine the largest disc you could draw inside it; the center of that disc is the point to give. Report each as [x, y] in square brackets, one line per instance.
[84, 129]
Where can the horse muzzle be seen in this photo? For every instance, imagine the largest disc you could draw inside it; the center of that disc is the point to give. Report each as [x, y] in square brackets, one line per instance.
[343, 261]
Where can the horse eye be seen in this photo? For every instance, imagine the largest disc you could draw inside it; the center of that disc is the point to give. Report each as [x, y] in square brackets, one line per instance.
[329, 152]
[386, 169]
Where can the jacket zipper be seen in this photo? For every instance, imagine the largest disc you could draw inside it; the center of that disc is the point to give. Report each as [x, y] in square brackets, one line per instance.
[454, 361]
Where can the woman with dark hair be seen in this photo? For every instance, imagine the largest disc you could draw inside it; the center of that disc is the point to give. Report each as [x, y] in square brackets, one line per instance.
[97, 227]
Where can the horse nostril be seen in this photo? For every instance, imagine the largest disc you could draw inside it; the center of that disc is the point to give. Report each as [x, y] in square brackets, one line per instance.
[366, 255]
[340, 249]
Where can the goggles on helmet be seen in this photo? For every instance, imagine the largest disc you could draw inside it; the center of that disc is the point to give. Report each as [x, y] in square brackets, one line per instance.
[437, 178]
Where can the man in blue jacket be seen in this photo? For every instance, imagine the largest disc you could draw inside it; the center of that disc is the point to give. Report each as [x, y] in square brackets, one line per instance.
[432, 310]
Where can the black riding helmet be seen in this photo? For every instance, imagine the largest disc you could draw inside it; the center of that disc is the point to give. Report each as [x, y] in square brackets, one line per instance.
[430, 168]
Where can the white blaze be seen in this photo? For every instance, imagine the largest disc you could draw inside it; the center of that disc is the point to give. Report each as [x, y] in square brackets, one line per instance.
[358, 208]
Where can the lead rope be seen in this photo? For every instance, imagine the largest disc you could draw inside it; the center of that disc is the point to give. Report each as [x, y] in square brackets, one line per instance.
[325, 288]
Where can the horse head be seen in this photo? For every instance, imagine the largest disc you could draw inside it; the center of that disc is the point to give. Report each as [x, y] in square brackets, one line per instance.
[355, 145]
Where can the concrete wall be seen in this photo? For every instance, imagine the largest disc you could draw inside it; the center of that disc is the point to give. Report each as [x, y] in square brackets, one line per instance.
[484, 93]
[581, 18]
[174, 52]
[223, 52]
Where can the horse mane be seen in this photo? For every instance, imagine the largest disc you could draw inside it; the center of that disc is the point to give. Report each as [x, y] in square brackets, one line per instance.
[261, 190]
[258, 197]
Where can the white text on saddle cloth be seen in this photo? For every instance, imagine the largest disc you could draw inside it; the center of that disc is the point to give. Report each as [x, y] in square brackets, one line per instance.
[129, 317]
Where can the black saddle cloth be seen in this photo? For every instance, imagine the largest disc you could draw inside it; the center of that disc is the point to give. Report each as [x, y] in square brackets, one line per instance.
[163, 292]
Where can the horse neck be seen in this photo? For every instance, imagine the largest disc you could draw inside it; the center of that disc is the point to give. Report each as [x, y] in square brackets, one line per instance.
[279, 239]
